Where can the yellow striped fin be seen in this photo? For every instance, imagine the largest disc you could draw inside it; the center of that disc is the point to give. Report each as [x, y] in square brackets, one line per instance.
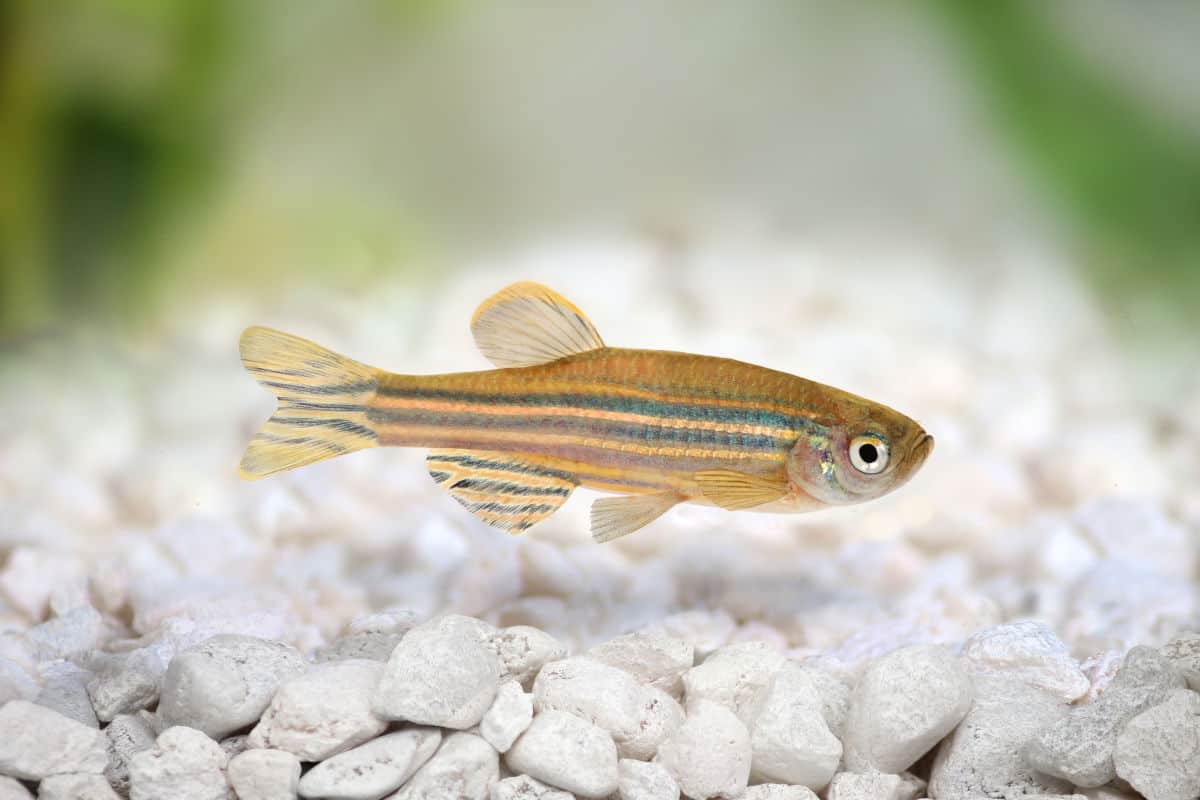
[737, 491]
[528, 324]
[502, 489]
[614, 517]
[322, 402]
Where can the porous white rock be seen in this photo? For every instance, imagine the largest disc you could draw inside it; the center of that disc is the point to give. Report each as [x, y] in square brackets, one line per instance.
[12, 789]
[509, 716]
[1184, 654]
[75, 786]
[834, 693]
[875, 786]
[637, 717]
[1028, 650]
[567, 752]
[709, 755]
[235, 745]
[645, 780]
[733, 676]
[902, 706]
[790, 740]
[653, 659]
[778, 791]
[127, 735]
[524, 651]
[373, 769]
[126, 682]
[372, 645]
[463, 767]
[183, 763]
[1158, 752]
[64, 689]
[36, 741]
[68, 636]
[225, 683]
[523, 787]
[264, 775]
[323, 711]
[983, 757]
[1079, 747]
[442, 673]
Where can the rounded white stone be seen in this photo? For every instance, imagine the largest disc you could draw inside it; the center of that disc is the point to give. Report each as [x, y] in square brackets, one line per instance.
[709, 755]
[183, 763]
[652, 659]
[12, 789]
[464, 767]
[568, 752]
[64, 689]
[125, 683]
[322, 712]
[875, 786]
[645, 780]
[524, 651]
[442, 674]
[902, 706]
[225, 683]
[1030, 651]
[733, 676]
[789, 739]
[778, 791]
[509, 716]
[75, 786]
[373, 769]
[264, 775]
[1184, 654]
[1158, 752]
[36, 741]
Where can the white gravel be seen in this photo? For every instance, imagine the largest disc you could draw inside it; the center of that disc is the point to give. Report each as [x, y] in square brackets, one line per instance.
[148, 598]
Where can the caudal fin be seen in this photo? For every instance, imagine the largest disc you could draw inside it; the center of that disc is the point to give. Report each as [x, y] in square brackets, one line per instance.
[322, 402]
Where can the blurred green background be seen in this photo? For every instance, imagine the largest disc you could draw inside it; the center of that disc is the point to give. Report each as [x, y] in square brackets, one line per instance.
[153, 147]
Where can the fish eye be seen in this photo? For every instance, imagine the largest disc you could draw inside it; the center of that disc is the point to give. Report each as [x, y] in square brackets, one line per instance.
[869, 454]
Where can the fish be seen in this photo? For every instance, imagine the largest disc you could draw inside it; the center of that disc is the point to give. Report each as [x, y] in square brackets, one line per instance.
[562, 410]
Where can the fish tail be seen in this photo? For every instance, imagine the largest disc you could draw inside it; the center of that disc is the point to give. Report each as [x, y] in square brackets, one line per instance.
[323, 399]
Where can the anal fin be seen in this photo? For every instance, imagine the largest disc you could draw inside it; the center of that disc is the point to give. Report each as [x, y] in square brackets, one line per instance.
[614, 517]
[502, 489]
[737, 491]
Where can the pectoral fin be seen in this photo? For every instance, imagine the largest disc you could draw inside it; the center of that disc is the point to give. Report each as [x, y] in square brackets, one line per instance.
[527, 324]
[736, 491]
[614, 517]
[502, 489]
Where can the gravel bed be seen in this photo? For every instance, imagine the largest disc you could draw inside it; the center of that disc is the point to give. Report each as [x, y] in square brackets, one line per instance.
[1018, 622]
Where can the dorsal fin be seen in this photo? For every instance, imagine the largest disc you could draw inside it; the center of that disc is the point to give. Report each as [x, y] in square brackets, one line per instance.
[527, 324]
[502, 489]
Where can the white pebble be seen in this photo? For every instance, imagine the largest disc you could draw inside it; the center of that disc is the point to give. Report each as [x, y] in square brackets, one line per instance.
[653, 659]
[372, 645]
[11, 789]
[524, 651]
[1079, 747]
[778, 791]
[36, 742]
[645, 780]
[464, 767]
[1030, 651]
[75, 786]
[184, 764]
[1184, 654]
[875, 786]
[902, 706]
[68, 636]
[127, 735]
[834, 693]
[264, 775]
[64, 689]
[15, 682]
[323, 711]
[733, 676]
[705, 630]
[442, 674]
[567, 752]
[1158, 752]
[637, 717]
[709, 755]
[523, 787]
[789, 739]
[373, 769]
[126, 683]
[509, 716]
[983, 757]
[225, 683]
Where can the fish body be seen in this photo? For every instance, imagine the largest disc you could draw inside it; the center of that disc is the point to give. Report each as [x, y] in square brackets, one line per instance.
[563, 410]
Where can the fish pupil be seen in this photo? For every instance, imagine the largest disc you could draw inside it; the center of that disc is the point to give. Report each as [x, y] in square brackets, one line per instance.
[868, 453]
